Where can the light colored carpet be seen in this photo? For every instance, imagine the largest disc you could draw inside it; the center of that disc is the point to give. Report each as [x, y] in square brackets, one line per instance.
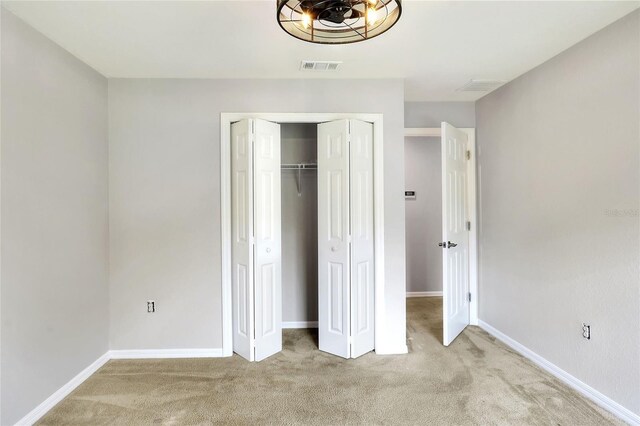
[475, 381]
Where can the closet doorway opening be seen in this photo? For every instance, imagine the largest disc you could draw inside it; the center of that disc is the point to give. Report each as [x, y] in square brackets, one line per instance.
[441, 223]
[299, 183]
[272, 276]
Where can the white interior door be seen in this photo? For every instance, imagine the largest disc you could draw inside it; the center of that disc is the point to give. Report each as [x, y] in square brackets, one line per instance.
[362, 243]
[345, 238]
[256, 245]
[267, 224]
[455, 236]
[333, 238]
[242, 236]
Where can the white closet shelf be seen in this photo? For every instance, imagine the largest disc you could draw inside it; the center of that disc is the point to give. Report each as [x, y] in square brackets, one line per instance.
[299, 168]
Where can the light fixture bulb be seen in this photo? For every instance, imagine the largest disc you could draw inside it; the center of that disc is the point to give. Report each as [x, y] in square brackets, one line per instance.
[372, 16]
[373, 2]
[306, 20]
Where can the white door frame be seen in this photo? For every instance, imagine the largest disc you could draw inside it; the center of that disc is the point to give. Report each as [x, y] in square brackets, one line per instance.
[225, 207]
[421, 132]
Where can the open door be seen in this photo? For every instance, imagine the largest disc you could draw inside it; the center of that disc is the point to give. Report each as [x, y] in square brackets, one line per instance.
[256, 239]
[455, 235]
[345, 238]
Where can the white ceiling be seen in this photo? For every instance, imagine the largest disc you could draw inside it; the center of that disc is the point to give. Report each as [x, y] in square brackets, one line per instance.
[437, 46]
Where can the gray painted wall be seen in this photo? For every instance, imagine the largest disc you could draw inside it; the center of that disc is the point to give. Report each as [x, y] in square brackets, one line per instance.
[432, 114]
[299, 225]
[560, 191]
[164, 189]
[423, 174]
[54, 218]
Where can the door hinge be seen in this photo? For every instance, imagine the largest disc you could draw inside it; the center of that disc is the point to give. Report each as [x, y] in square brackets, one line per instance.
[468, 226]
[469, 297]
[468, 155]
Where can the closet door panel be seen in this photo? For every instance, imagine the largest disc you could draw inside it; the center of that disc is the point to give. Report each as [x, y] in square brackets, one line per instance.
[362, 243]
[268, 247]
[241, 232]
[333, 238]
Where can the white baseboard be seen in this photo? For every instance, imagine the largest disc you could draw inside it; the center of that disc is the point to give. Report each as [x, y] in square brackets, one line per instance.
[300, 324]
[165, 353]
[392, 350]
[586, 390]
[65, 390]
[424, 294]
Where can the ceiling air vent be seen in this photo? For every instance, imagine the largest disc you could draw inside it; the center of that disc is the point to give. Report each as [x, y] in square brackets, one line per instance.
[319, 65]
[481, 85]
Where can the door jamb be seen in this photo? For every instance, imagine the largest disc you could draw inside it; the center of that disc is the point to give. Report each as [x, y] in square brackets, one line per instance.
[473, 209]
[225, 208]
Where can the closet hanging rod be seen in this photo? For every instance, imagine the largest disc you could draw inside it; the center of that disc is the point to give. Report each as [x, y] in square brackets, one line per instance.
[301, 166]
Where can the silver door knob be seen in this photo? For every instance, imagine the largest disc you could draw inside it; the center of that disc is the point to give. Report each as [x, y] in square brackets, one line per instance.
[334, 248]
[268, 250]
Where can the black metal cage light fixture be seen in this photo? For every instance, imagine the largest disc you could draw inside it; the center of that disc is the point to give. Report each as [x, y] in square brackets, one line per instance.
[337, 21]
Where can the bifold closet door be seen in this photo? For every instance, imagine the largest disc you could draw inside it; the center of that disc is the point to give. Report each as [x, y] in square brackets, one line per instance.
[345, 238]
[333, 238]
[362, 243]
[455, 238]
[242, 238]
[256, 239]
[267, 224]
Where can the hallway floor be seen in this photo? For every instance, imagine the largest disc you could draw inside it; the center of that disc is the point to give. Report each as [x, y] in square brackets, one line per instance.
[475, 381]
